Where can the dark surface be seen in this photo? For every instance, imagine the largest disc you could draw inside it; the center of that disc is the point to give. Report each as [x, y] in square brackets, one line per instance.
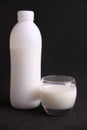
[63, 24]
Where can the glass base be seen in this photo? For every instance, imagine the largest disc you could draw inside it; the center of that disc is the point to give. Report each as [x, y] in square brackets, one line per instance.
[57, 112]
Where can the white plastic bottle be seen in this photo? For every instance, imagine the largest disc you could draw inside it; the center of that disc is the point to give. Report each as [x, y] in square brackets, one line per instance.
[25, 53]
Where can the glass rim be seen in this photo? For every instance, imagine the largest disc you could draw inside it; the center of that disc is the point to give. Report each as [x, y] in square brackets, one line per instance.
[58, 79]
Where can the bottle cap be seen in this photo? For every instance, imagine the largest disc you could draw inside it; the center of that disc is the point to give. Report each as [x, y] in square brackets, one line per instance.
[25, 15]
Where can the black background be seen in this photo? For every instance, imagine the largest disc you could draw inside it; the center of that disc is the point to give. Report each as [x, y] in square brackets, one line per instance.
[63, 25]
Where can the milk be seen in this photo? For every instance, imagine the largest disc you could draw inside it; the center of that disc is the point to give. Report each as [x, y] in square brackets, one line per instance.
[58, 96]
[25, 79]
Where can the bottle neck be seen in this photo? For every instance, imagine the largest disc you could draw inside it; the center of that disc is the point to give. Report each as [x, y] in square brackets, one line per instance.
[25, 16]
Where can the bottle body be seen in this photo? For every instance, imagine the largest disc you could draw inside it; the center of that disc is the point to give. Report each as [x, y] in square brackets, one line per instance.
[25, 53]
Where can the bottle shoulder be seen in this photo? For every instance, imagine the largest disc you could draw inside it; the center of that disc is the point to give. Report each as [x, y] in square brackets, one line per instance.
[25, 32]
[24, 27]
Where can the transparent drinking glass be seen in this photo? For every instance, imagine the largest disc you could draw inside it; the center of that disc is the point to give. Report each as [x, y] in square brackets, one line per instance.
[58, 94]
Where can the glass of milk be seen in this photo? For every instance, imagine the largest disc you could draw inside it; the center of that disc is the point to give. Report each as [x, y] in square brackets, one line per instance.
[58, 94]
